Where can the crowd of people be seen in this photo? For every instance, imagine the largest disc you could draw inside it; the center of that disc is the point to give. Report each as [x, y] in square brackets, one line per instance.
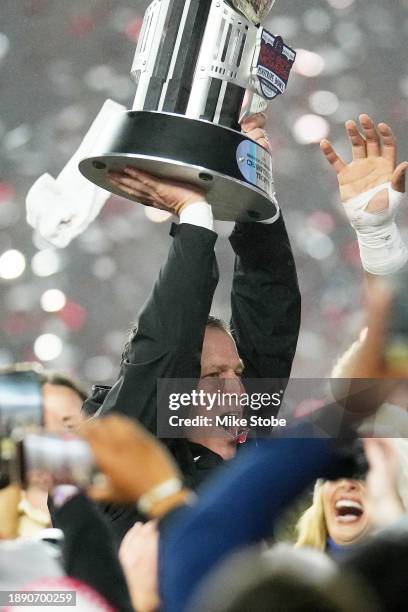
[190, 523]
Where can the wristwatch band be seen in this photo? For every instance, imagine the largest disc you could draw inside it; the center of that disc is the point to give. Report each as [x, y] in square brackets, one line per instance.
[158, 494]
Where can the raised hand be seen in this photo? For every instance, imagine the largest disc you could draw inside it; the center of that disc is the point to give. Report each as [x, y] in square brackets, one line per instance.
[254, 127]
[374, 152]
[138, 555]
[152, 191]
[382, 481]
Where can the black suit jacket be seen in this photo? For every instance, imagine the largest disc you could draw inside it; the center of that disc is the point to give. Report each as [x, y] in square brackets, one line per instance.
[89, 553]
[265, 303]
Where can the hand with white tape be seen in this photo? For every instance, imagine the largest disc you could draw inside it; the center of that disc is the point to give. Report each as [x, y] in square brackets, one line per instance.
[372, 189]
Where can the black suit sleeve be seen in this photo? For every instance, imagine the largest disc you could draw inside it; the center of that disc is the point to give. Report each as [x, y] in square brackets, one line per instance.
[89, 554]
[265, 299]
[171, 326]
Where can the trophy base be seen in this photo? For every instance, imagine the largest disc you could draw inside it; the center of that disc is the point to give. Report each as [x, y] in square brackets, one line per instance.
[233, 171]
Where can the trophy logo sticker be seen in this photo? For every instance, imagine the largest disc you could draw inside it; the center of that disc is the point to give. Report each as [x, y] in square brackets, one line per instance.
[255, 165]
[274, 64]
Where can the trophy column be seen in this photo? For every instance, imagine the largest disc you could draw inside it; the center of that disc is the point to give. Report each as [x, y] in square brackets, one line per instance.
[181, 71]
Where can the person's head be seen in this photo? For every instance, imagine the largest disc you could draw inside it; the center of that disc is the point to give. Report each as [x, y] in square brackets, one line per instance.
[221, 366]
[219, 355]
[346, 512]
[63, 396]
[221, 369]
[382, 562]
[339, 511]
[283, 580]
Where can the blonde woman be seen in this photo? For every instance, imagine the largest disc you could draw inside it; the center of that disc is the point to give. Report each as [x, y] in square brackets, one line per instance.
[337, 517]
[344, 512]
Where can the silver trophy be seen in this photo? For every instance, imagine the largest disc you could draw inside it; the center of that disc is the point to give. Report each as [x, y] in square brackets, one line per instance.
[200, 65]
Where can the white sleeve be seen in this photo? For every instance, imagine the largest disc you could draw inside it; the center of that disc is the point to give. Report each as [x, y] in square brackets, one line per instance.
[198, 213]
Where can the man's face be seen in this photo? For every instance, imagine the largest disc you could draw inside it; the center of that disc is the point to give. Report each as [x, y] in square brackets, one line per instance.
[219, 357]
[220, 361]
[62, 408]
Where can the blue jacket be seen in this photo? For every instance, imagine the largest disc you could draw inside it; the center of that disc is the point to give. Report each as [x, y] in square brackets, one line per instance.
[240, 507]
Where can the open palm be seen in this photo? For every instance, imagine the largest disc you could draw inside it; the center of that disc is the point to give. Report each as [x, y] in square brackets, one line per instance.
[374, 151]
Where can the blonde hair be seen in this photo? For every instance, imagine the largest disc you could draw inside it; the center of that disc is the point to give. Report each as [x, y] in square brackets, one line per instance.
[311, 527]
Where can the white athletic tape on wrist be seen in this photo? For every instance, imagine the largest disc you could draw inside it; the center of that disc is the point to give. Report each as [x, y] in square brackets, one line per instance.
[382, 250]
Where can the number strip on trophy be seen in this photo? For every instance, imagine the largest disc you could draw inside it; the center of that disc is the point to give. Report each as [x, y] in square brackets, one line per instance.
[164, 56]
[180, 80]
[220, 102]
[175, 51]
[233, 98]
[212, 100]
[147, 49]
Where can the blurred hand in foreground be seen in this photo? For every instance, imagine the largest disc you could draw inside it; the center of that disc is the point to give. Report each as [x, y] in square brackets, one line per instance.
[138, 555]
[385, 505]
[132, 459]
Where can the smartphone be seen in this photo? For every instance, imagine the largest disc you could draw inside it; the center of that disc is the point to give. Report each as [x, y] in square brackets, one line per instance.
[21, 409]
[47, 460]
[28, 454]
[21, 401]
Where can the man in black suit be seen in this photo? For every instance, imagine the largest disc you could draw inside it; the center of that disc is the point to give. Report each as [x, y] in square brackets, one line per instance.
[175, 337]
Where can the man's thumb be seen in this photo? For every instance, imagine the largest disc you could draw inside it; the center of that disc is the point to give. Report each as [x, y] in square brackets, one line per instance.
[398, 177]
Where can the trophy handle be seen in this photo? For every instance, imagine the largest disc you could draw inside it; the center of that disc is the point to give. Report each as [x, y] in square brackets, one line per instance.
[252, 104]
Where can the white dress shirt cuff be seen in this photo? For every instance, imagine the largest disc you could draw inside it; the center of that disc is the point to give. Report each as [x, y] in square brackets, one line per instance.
[198, 213]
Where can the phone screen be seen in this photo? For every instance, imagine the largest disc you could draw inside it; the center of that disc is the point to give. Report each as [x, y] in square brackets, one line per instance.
[21, 402]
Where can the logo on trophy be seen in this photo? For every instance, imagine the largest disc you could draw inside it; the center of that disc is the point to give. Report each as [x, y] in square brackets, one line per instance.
[200, 65]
